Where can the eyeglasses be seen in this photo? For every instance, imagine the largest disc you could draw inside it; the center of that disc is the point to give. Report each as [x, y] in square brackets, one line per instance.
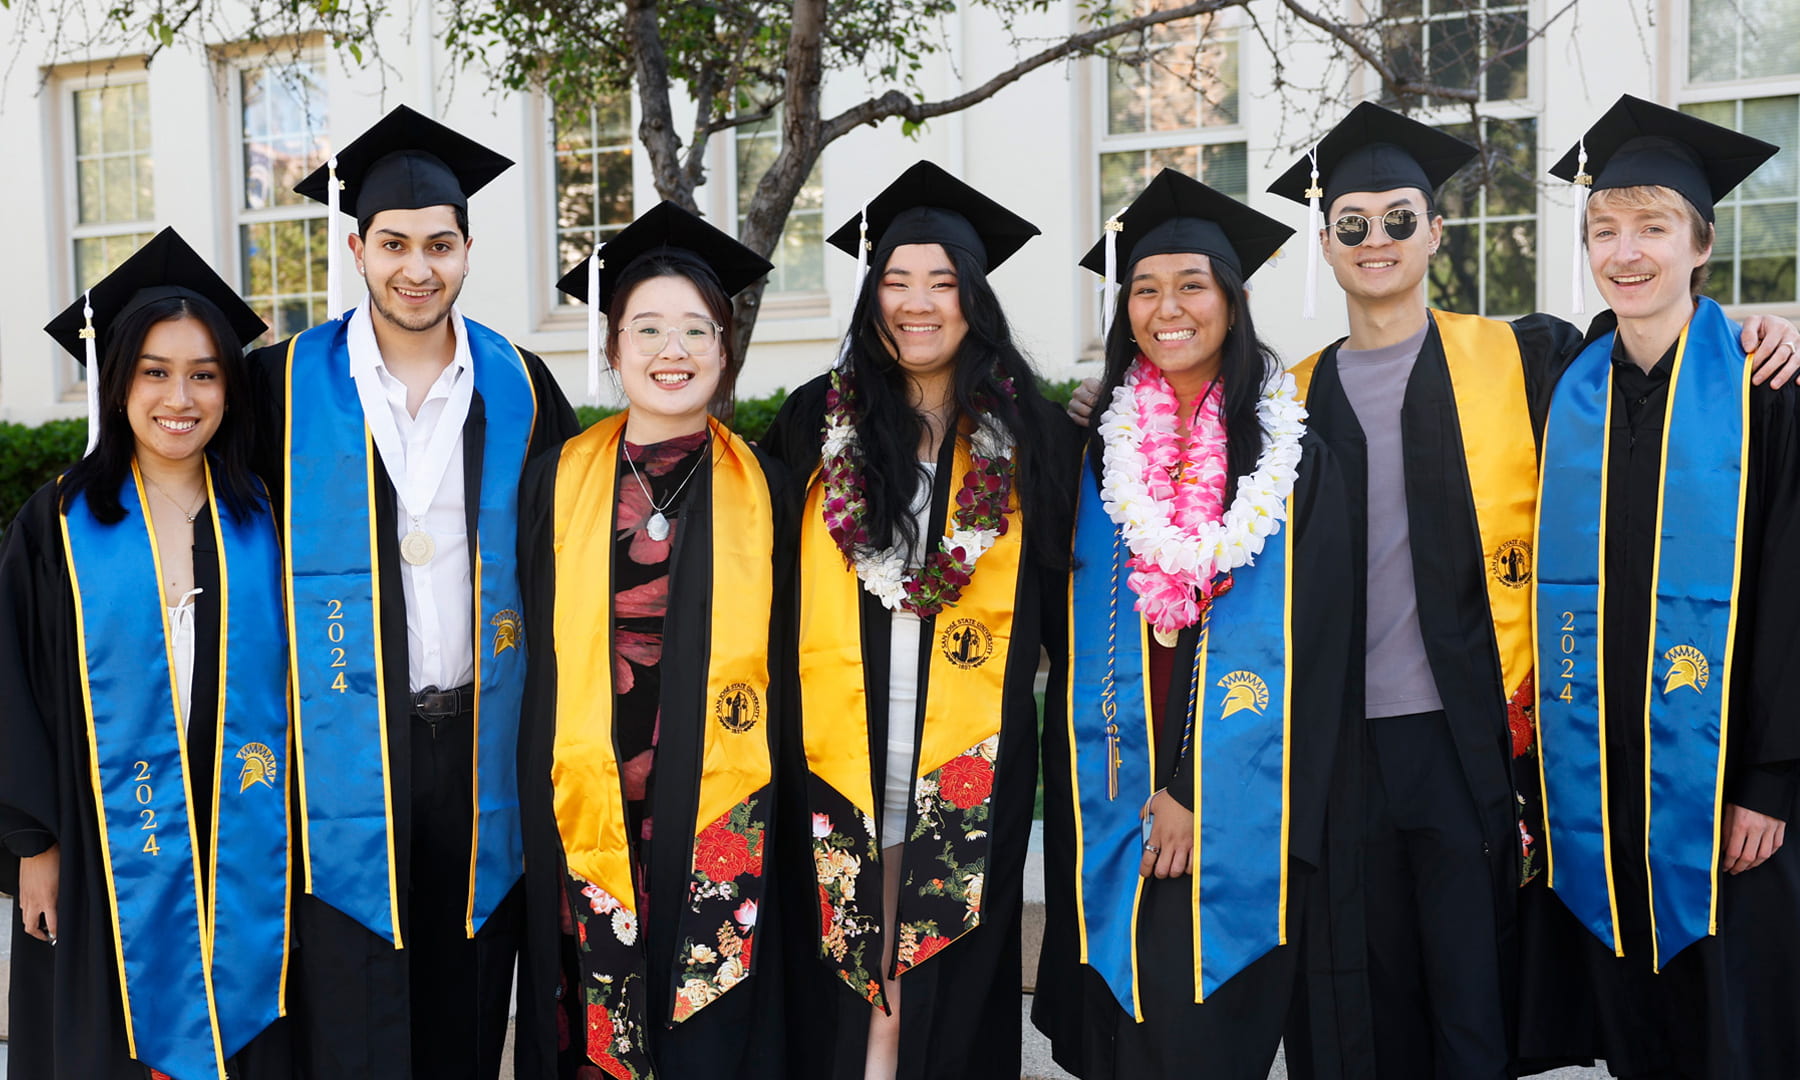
[696, 336]
[1353, 229]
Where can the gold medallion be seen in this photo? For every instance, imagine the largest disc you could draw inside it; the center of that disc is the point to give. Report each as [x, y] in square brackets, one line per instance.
[417, 547]
[1166, 638]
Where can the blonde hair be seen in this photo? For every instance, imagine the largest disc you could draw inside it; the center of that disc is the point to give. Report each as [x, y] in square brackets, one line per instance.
[1656, 197]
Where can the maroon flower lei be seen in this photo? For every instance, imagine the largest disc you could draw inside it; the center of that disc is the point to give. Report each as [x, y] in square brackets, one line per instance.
[981, 504]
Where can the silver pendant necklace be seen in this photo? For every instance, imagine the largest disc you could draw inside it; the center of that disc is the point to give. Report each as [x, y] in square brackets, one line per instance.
[657, 528]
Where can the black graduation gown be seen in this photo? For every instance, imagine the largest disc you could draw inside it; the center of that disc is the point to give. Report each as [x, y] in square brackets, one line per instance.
[66, 1020]
[1236, 1031]
[1449, 576]
[1725, 1007]
[740, 1036]
[359, 1025]
[958, 1011]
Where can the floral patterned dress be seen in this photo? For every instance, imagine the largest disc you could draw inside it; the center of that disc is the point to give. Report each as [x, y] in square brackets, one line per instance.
[640, 588]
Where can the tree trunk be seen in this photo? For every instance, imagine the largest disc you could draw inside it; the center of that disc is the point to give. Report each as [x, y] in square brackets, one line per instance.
[777, 189]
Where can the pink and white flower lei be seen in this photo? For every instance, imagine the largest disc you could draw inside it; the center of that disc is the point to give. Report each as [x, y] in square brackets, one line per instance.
[979, 518]
[1180, 540]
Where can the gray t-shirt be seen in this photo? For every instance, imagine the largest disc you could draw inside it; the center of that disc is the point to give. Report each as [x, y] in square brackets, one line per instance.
[1398, 674]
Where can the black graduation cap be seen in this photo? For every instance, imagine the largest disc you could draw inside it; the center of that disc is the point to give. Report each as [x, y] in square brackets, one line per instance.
[926, 205]
[1375, 149]
[165, 266]
[1178, 214]
[660, 228]
[405, 162]
[1639, 142]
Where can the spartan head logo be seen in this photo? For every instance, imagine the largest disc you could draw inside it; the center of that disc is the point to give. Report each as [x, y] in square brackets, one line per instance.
[1243, 690]
[1687, 667]
[259, 766]
[506, 630]
[737, 708]
[1511, 564]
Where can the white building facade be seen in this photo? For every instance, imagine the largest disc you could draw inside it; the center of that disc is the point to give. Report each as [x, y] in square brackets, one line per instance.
[105, 151]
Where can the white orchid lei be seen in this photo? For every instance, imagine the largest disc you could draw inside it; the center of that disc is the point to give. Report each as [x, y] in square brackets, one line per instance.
[980, 516]
[1178, 565]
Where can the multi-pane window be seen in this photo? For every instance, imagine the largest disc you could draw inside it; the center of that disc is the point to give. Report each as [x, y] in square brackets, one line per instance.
[283, 238]
[800, 256]
[115, 200]
[1758, 224]
[1487, 264]
[1742, 39]
[592, 148]
[1172, 102]
[1461, 43]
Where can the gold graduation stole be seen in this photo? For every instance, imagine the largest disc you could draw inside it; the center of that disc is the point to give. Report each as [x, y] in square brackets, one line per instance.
[1487, 379]
[727, 852]
[944, 865]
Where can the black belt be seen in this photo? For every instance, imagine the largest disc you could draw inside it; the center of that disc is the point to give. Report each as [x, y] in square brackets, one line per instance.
[435, 706]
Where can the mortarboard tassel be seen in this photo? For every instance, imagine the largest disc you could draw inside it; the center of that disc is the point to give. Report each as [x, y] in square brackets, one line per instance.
[862, 270]
[93, 372]
[1109, 289]
[1315, 224]
[1583, 184]
[593, 324]
[334, 232]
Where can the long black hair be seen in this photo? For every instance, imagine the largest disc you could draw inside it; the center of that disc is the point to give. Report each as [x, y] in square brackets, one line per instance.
[102, 473]
[1245, 363]
[889, 427]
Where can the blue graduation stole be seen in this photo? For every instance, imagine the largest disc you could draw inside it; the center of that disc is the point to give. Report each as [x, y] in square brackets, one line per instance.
[335, 601]
[1693, 617]
[167, 934]
[1240, 736]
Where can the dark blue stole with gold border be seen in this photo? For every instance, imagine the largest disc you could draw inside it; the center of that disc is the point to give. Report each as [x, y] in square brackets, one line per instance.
[170, 937]
[1693, 616]
[335, 601]
[1240, 739]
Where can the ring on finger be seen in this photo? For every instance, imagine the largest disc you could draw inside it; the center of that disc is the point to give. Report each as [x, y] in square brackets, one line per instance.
[1152, 849]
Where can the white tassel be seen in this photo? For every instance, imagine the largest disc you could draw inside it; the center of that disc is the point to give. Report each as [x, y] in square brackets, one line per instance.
[93, 372]
[1577, 264]
[1109, 288]
[334, 232]
[593, 325]
[862, 271]
[1315, 224]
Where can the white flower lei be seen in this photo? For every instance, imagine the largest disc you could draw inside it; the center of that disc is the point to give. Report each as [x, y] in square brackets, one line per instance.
[883, 573]
[1255, 513]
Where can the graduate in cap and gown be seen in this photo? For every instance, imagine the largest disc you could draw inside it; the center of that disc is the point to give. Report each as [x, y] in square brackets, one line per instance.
[657, 553]
[929, 557]
[395, 438]
[1666, 627]
[1212, 641]
[1435, 417]
[144, 751]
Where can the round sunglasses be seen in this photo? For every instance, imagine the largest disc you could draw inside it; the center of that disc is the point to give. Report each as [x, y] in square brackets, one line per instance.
[1353, 229]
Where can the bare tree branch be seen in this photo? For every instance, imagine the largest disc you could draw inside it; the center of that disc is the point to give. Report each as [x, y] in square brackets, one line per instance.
[894, 103]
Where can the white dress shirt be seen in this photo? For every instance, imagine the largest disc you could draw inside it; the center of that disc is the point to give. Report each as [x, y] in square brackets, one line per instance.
[181, 645]
[424, 458]
[903, 683]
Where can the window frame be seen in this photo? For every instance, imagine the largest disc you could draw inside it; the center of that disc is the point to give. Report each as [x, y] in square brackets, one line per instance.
[71, 376]
[555, 312]
[234, 67]
[777, 304]
[1735, 91]
[1506, 111]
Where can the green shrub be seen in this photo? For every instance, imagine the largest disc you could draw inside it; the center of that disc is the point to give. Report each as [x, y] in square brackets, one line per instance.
[31, 457]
